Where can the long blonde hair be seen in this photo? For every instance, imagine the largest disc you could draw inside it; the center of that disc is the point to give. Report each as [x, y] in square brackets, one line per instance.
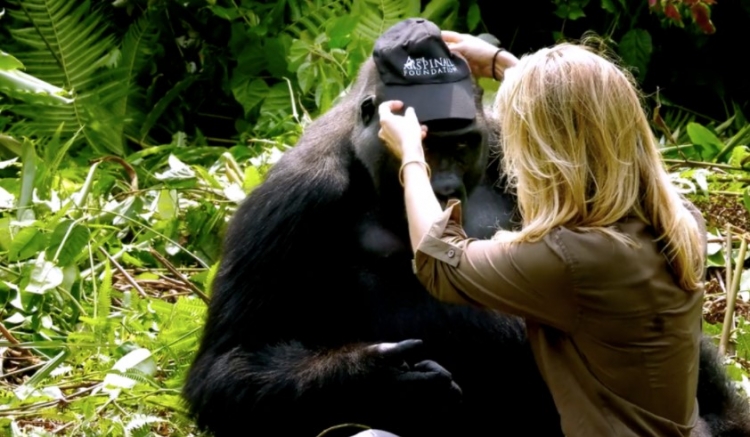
[580, 153]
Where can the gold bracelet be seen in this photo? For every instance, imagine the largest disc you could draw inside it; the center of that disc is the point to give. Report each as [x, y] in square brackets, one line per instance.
[401, 170]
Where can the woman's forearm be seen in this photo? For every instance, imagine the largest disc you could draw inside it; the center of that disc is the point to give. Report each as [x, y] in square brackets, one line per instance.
[422, 207]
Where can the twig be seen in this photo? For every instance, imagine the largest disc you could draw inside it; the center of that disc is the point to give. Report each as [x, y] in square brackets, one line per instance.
[725, 179]
[63, 427]
[15, 372]
[31, 408]
[703, 164]
[177, 273]
[731, 298]
[92, 270]
[720, 281]
[128, 278]
[723, 239]
[728, 255]
[8, 335]
[14, 342]
[221, 140]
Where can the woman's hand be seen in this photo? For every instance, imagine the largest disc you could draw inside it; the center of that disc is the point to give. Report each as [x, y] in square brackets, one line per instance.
[402, 134]
[479, 54]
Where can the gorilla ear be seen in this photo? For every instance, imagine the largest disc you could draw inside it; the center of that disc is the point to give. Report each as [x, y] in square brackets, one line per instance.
[367, 109]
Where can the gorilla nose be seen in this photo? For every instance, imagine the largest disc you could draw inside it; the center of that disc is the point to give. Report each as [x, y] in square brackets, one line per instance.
[447, 187]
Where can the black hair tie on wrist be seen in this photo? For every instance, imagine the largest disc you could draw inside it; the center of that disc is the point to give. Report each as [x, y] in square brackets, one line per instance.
[494, 58]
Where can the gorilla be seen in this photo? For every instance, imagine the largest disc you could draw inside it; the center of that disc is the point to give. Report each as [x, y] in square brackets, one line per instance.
[316, 318]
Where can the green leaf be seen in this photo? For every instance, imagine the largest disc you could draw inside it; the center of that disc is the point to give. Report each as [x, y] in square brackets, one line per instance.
[715, 260]
[299, 53]
[129, 259]
[575, 12]
[250, 93]
[277, 98]
[27, 243]
[746, 198]
[5, 239]
[341, 31]
[438, 8]
[68, 45]
[68, 239]
[8, 62]
[609, 6]
[251, 61]
[708, 143]
[739, 155]
[635, 49]
[31, 90]
[306, 76]
[177, 170]
[252, 179]
[225, 13]
[48, 368]
[208, 283]
[473, 17]
[167, 204]
[44, 276]
[28, 176]
[164, 102]
[275, 57]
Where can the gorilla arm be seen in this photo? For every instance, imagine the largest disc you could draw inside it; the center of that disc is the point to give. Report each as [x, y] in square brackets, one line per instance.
[273, 347]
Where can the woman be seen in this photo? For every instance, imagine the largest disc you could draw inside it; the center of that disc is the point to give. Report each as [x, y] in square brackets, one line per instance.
[607, 269]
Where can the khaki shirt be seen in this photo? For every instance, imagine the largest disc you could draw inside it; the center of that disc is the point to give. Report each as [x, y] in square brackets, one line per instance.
[615, 338]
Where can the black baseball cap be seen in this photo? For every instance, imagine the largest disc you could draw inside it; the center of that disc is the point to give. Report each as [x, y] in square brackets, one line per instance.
[418, 68]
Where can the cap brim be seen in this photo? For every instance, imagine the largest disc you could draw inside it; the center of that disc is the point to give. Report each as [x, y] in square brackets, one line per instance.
[438, 101]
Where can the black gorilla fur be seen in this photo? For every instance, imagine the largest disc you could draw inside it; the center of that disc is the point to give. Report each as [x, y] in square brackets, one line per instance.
[317, 268]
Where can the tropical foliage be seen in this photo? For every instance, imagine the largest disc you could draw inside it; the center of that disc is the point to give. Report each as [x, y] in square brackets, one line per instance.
[130, 131]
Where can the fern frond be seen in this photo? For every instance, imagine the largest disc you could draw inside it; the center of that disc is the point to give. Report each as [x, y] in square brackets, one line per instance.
[376, 16]
[137, 49]
[315, 14]
[68, 46]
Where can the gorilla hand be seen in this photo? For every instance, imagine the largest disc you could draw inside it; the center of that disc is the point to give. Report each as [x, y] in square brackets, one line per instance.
[416, 379]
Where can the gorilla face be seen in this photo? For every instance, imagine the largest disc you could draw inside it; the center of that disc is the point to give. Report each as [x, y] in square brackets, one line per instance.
[456, 151]
[456, 155]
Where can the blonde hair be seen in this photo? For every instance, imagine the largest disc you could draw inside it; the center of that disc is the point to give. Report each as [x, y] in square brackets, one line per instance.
[580, 153]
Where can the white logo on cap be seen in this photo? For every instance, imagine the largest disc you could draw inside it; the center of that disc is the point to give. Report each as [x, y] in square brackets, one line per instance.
[428, 67]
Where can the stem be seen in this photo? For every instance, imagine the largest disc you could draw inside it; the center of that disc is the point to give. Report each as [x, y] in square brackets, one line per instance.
[731, 299]
[176, 272]
[703, 164]
[128, 278]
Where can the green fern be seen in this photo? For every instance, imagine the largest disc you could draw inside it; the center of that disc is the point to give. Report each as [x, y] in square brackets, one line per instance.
[69, 44]
[376, 16]
[137, 47]
[314, 14]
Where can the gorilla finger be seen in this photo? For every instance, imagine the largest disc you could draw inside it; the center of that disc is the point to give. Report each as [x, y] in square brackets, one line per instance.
[456, 388]
[431, 366]
[398, 349]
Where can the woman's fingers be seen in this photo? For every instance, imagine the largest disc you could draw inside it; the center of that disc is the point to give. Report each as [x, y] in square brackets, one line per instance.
[386, 108]
[450, 36]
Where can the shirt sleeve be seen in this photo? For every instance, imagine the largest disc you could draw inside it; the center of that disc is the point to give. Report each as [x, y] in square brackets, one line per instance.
[531, 280]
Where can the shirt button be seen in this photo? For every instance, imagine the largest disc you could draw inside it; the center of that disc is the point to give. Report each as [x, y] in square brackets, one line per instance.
[451, 253]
